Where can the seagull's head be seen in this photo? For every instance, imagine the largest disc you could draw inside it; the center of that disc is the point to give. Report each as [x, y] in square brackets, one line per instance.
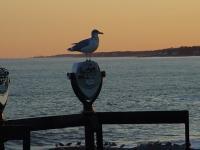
[95, 33]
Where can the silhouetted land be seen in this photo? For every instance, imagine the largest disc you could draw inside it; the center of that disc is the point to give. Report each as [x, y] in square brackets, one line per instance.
[168, 52]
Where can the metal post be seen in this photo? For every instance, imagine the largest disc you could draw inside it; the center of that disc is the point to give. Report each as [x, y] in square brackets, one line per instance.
[89, 137]
[2, 145]
[27, 140]
[99, 137]
[1, 138]
[87, 108]
[187, 136]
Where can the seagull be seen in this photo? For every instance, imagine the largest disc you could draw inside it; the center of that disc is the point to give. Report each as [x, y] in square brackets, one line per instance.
[89, 45]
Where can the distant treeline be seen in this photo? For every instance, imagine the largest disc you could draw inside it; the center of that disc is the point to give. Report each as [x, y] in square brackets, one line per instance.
[168, 52]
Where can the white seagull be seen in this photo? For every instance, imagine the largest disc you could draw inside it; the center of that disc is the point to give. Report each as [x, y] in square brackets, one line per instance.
[87, 46]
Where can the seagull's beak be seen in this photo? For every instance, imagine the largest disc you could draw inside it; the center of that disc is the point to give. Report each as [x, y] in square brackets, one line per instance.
[100, 32]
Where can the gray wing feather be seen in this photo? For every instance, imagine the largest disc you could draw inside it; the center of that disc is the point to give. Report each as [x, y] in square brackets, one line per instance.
[80, 45]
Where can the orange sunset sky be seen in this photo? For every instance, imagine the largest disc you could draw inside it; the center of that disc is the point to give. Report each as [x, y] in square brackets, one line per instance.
[47, 27]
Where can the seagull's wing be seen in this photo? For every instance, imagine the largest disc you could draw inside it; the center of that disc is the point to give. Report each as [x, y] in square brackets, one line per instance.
[78, 46]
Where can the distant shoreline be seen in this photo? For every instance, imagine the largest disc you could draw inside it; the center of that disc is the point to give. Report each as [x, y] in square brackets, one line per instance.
[168, 52]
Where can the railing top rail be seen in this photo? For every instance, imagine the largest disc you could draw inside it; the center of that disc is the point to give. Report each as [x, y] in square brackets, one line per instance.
[137, 117]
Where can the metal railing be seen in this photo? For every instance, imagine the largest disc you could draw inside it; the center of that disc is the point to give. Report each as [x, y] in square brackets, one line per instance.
[20, 129]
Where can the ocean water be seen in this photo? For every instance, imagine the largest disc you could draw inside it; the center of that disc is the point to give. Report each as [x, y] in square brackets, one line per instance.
[39, 87]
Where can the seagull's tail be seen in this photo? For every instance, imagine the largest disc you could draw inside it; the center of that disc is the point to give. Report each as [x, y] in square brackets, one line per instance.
[70, 49]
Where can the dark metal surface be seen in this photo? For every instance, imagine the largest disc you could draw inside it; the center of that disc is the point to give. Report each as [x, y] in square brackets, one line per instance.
[15, 132]
[143, 117]
[52, 122]
[86, 80]
[87, 105]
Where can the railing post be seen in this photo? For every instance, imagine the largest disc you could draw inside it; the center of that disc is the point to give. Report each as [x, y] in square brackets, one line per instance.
[1, 138]
[1, 144]
[99, 137]
[89, 132]
[93, 126]
[89, 138]
[27, 140]
[187, 139]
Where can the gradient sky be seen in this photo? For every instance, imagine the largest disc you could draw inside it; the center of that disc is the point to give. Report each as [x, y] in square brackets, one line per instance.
[47, 27]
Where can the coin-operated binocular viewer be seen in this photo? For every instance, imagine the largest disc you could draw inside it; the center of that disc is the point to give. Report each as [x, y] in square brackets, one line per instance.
[4, 84]
[86, 80]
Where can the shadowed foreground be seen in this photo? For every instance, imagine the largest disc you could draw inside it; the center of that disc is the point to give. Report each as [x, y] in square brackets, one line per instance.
[114, 146]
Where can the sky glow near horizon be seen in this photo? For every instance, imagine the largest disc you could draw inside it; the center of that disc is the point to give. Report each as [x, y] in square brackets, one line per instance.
[47, 27]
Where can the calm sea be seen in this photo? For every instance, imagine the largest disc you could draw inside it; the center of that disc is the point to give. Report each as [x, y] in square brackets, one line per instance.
[39, 87]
